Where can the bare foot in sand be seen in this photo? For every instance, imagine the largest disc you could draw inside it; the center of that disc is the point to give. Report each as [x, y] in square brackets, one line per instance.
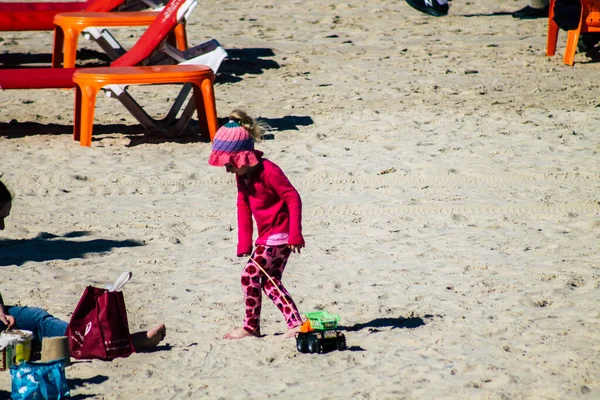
[240, 333]
[150, 339]
[291, 333]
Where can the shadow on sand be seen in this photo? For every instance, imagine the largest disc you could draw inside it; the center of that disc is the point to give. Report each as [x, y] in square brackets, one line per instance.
[287, 123]
[85, 58]
[137, 134]
[239, 63]
[394, 323]
[15, 130]
[47, 246]
[245, 61]
[494, 14]
[75, 383]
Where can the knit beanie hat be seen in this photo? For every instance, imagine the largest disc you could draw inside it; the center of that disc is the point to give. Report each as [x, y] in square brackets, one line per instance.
[233, 145]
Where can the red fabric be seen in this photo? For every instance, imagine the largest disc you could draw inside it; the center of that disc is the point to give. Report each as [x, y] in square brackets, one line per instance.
[103, 5]
[39, 16]
[99, 327]
[37, 78]
[275, 204]
[27, 20]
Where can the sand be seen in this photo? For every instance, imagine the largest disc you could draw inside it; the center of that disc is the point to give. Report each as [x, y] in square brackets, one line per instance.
[449, 173]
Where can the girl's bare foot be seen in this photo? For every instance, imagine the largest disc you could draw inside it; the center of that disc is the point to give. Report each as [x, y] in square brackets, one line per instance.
[239, 333]
[291, 332]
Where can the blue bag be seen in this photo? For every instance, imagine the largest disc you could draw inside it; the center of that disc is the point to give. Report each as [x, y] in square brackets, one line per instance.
[39, 381]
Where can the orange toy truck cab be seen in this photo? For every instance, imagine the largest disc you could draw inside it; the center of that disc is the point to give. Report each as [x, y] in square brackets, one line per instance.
[305, 327]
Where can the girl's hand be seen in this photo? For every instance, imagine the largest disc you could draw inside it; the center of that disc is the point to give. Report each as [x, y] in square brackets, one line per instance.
[7, 320]
[296, 247]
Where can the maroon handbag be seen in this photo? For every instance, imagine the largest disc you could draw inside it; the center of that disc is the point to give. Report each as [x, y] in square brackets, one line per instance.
[99, 327]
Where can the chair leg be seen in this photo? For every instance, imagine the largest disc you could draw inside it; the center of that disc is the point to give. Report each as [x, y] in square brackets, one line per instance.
[210, 107]
[88, 105]
[572, 39]
[57, 50]
[201, 112]
[77, 116]
[552, 32]
[70, 47]
[181, 37]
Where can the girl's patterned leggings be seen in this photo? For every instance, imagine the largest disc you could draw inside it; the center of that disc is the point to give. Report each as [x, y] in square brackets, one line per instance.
[273, 260]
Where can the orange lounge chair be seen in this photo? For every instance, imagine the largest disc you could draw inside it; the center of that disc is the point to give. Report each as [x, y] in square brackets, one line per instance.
[68, 27]
[589, 22]
[90, 80]
[150, 49]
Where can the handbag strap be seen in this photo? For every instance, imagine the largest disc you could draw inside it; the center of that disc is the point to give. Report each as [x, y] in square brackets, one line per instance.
[120, 282]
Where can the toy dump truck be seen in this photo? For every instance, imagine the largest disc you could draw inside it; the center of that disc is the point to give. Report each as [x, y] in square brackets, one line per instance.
[319, 333]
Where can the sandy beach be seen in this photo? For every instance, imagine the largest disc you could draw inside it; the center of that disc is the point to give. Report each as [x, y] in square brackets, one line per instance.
[450, 178]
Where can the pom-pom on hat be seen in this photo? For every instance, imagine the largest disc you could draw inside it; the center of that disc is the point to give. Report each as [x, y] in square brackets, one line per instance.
[233, 145]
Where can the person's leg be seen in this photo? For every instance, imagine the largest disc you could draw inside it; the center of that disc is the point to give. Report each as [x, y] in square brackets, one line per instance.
[39, 321]
[273, 260]
[253, 301]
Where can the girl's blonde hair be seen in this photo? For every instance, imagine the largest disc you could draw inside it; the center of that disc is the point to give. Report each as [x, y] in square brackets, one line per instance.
[256, 129]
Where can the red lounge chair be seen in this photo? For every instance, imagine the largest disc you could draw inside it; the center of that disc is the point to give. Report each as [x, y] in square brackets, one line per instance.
[39, 16]
[150, 49]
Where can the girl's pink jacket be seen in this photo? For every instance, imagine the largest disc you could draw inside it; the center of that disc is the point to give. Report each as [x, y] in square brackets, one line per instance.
[275, 204]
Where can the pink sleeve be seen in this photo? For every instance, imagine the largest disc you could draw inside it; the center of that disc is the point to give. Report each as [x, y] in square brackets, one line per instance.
[290, 195]
[244, 217]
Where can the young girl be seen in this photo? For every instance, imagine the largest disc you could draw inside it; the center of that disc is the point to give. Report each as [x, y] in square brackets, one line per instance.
[264, 193]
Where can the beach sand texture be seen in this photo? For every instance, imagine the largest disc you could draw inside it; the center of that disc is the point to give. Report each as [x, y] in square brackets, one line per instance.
[450, 177]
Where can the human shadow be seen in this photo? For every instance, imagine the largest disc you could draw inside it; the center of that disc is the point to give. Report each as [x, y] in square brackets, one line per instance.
[47, 246]
[75, 383]
[240, 62]
[85, 58]
[394, 323]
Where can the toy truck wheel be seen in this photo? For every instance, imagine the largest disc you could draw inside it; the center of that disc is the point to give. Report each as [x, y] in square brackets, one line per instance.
[302, 344]
[341, 343]
[313, 345]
